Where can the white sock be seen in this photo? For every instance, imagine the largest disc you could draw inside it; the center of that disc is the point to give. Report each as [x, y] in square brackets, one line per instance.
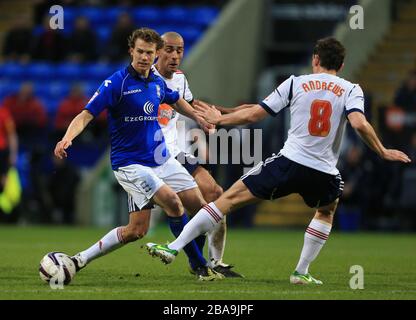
[204, 221]
[111, 241]
[216, 242]
[315, 237]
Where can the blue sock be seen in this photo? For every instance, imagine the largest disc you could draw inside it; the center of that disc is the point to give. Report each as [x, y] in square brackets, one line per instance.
[200, 242]
[196, 259]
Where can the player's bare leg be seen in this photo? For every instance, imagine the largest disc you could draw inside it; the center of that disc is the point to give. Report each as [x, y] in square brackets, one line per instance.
[192, 200]
[315, 237]
[207, 219]
[169, 201]
[136, 229]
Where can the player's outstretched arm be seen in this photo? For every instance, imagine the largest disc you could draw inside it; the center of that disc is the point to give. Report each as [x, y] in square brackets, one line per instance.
[221, 109]
[76, 126]
[368, 135]
[242, 116]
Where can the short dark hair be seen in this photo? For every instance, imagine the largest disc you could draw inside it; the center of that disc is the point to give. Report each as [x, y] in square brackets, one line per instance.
[147, 35]
[331, 53]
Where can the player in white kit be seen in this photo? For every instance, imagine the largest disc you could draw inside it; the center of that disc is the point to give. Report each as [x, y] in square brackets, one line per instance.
[169, 59]
[320, 104]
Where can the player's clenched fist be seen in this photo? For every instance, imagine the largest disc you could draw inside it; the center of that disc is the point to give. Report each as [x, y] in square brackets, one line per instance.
[60, 148]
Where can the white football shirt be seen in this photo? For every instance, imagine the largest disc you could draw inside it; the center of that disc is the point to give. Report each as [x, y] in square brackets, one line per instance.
[319, 105]
[168, 117]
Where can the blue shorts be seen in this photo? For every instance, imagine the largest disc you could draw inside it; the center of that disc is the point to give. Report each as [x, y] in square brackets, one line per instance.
[278, 176]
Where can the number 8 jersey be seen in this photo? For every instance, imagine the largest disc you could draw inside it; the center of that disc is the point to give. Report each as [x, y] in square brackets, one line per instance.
[319, 105]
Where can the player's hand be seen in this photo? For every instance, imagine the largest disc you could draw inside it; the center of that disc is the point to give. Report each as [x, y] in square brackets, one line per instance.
[206, 126]
[395, 155]
[60, 148]
[210, 114]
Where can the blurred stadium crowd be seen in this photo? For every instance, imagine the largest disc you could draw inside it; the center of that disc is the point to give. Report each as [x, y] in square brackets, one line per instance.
[47, 76]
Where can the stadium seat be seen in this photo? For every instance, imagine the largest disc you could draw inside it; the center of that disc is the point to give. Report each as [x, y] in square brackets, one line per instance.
[8, 88]
[51, 106]
[111, 15]
[42, 89]
[97, 71]
[90, 87]
[69, 71]
[23, 167]
[175, 14]
[202, 16]
[40, 71]
[96, 16]
[104, 33]
[57, 89]
[190, 34]
[70, 14]
[188, 47]
[12, 71]
[37, 30]
[162, 28]
[145, 15]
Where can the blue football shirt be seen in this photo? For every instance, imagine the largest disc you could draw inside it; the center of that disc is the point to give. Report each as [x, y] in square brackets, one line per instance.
[132, 104]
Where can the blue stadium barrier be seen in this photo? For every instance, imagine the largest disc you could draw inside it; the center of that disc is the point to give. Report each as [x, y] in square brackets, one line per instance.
[85, 155]
[12, 71]
[111, 15]
[97, 71]
[190, 34]
[202, 16]
[104, 33]
[42, 89]
[175, 14]
[7, 88]
[69, 71]
[51, 106]
[37, 30]
[162, 28]
[90, 87]
[144, 15]
[93, 14]
[58, 89]
[40, 71]
[70, 14]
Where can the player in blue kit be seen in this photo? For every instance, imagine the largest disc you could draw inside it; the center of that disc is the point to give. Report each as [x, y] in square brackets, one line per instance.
[139, 158]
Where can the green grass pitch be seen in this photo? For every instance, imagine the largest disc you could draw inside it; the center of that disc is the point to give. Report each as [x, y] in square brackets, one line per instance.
[265, 257]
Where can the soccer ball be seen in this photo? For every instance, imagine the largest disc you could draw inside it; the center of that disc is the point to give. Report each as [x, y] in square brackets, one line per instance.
[57, 268]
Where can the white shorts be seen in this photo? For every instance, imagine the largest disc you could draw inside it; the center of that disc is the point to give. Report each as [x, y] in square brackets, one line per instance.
[141, 182]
